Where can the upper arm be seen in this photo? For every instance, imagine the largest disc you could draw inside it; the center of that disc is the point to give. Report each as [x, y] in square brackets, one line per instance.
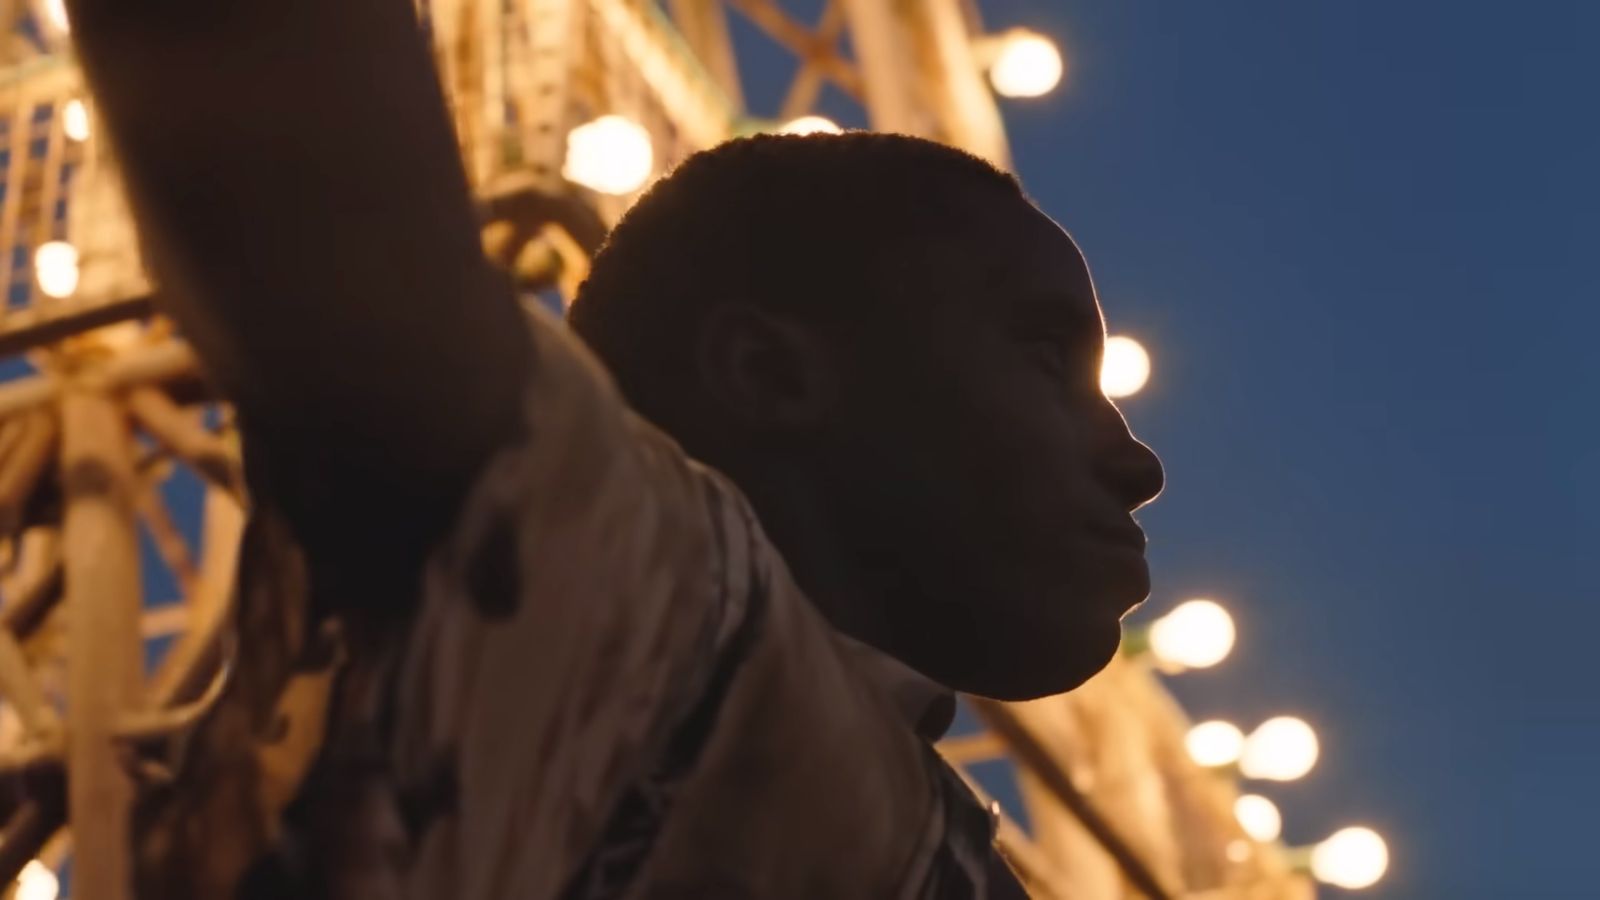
[570, 620]
[306, 218]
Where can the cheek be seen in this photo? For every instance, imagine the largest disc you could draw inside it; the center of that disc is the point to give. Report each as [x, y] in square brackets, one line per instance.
[994, 456]
[1036, 464]
[1017, 476]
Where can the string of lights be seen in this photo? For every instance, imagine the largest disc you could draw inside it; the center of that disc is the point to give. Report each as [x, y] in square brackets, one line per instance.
[612, 149]
[1199, 634]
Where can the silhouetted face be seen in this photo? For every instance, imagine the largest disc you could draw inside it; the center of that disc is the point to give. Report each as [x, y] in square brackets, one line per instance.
[983, 481]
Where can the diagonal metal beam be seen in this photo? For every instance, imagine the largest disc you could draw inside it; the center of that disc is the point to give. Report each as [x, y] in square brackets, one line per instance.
[954, 86]
[806, 45]
[1036, 757]
[686, 92]
[704, 25]
[807, 81]
[892, 95]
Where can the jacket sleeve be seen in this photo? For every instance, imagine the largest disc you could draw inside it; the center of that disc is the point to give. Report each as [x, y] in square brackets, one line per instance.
[573, 622]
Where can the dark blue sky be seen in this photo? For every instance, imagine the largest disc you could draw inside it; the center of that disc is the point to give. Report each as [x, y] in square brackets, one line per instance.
[1358, 239]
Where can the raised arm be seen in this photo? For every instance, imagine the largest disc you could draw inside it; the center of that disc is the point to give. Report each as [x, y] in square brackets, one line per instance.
[308, 223]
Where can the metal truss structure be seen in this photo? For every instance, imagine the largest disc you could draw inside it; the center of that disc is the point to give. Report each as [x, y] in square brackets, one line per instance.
[108, 413]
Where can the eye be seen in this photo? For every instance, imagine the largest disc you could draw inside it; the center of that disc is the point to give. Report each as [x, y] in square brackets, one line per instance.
[1050, 354]
[1069, 357]
[1074, 369]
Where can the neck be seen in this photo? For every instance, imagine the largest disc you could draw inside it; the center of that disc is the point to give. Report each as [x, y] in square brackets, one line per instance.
[794, 514]
[849, 594]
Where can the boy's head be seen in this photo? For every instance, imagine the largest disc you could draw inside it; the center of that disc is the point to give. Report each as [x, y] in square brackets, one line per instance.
[896, 356]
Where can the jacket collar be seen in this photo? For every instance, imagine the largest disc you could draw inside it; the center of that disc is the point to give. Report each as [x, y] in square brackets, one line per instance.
[927, 706]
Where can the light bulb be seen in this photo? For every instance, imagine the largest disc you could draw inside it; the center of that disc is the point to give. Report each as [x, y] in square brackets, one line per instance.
[55, 265]
[37, 882]
[1028, 65]
[1259, 817]
[1280, 749]
[612, 155]
[55, 15]
[1195, 635]
[1238, 851]
[1351, 858]
[1214, 743]
[75, 120]
[1124, 367]
[810, 125]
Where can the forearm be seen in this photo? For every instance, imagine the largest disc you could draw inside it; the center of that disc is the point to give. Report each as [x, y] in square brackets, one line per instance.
[298, 190]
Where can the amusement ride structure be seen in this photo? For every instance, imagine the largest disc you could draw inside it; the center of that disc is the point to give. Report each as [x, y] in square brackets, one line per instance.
[122, 500]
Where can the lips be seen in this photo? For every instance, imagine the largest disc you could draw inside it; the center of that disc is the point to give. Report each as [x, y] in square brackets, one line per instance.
[1126, 533]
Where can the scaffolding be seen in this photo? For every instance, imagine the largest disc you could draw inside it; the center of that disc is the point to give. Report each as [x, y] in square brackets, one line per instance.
[105, 405]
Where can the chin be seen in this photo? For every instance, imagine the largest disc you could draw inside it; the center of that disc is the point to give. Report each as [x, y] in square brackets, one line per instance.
[1040, 668]
[1124, 583]
[1043, 639]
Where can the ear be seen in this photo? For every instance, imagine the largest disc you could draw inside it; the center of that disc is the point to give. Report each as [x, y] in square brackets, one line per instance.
[772, 372]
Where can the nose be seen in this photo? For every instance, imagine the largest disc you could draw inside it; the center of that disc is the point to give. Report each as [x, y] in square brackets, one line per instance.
[1133, 470]
[1146, 478]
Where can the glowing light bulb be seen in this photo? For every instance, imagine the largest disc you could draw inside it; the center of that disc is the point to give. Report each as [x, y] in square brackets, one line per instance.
[1214, 743]
[1124, 368]
[55, 265]
[55, 15]
[810, 125]
[1028, 65]
[37, 882]
[1239, 851]
[1351, 858]
[1259, 817]
[75, 120]
[1197, 634]
[612, 155]
[1280, 749]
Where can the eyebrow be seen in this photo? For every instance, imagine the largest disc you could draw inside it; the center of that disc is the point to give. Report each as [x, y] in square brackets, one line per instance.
[1061, 311]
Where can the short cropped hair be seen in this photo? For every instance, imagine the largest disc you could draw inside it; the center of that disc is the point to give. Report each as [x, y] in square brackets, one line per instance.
[798, 224]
